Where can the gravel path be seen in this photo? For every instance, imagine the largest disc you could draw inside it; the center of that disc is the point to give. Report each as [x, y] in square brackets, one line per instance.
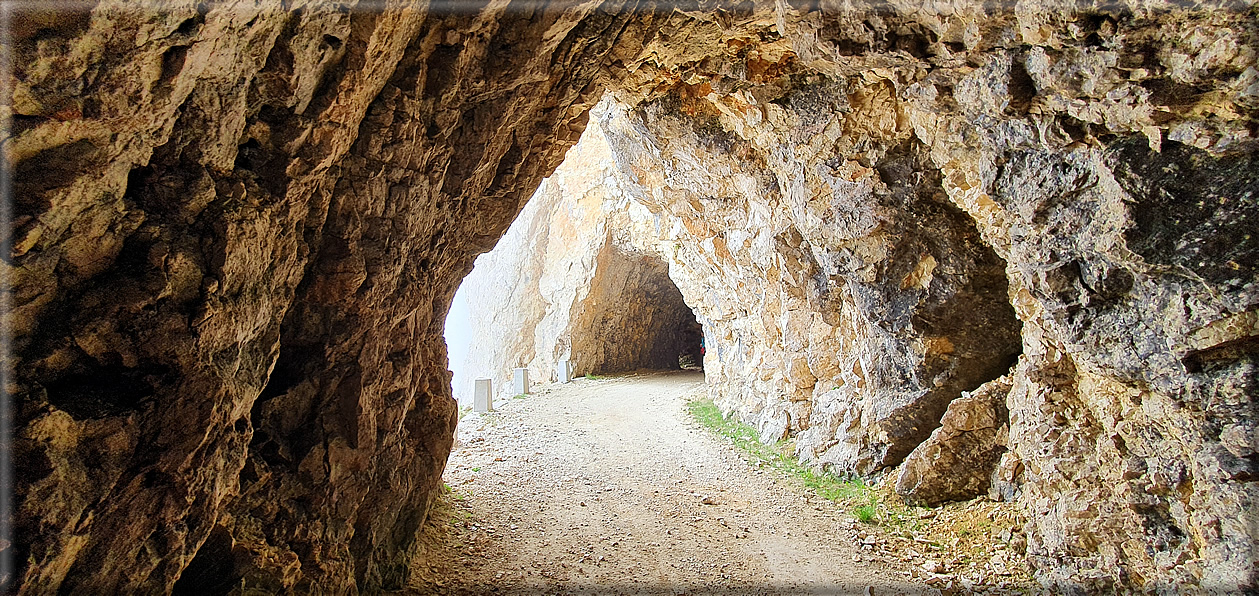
[607, 486]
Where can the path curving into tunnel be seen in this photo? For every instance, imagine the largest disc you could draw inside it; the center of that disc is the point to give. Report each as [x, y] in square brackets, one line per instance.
[607, 485]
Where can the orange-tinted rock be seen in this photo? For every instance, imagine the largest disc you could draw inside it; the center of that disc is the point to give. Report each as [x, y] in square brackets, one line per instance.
[956, 462]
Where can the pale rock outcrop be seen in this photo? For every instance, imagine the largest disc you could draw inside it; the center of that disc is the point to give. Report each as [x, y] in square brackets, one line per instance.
[955, 463]
[576, 277]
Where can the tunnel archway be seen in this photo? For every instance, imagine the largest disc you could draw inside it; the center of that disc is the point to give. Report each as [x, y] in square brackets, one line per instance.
[233, 243]
[633, 318]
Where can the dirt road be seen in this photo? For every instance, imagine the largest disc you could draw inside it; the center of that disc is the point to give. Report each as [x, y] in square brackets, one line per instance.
[607, 486]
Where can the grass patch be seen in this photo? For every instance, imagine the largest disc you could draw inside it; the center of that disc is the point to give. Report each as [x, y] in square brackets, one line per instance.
[520, 396]
[449, 491]
[861, 499]
[965, 533]
[743, 435]
[593, 377]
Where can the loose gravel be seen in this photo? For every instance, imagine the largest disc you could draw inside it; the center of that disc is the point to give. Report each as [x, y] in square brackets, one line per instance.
[606, 486]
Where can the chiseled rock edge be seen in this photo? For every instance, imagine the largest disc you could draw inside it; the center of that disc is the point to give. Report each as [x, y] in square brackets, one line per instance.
[957, 461]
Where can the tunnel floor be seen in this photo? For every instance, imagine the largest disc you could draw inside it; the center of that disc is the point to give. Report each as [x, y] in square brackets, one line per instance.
[606, 485]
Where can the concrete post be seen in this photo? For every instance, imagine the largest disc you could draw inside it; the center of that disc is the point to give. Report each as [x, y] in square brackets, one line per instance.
[563, 371]
[483, 396]
[520, 382]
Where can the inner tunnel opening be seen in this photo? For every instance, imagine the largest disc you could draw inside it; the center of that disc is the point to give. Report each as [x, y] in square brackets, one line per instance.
[580, 284]
[634, 319]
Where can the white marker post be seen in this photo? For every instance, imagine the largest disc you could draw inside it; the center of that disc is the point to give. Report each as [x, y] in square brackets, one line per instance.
[563, 371]
[483, 396]
[520, 382]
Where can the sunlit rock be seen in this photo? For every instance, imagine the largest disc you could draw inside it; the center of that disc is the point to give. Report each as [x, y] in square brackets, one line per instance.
[957, 461]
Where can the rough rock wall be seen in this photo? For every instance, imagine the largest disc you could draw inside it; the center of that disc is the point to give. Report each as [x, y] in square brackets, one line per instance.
[235, 236]
[876, 214]
[860, 230]
[1133, 413]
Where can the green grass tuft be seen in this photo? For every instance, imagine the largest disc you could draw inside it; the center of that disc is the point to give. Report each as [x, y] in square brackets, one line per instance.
[780, 456]
[744, 436]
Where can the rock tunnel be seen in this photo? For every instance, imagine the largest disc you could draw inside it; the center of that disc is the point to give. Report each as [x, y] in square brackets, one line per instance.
[234, 235]
[634, 318]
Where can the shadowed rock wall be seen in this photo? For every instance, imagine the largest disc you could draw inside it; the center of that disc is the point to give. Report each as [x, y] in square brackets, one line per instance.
[235, 235]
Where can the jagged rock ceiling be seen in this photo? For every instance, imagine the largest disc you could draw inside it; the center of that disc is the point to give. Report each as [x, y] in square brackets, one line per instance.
[235, 234]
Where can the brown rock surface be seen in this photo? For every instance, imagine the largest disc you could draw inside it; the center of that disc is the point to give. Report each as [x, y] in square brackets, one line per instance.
[235, 233]
[956, 462]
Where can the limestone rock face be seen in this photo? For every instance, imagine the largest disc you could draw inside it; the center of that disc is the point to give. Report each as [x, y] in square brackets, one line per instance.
[1115, 187]
[956, 462]
[1132, 359]
[236, 232]
[235, 235]
[873, 214]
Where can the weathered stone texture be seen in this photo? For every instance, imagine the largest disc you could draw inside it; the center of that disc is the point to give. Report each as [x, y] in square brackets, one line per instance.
[873, 213]
[235, 237]
[236, 233]
[955, 463]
